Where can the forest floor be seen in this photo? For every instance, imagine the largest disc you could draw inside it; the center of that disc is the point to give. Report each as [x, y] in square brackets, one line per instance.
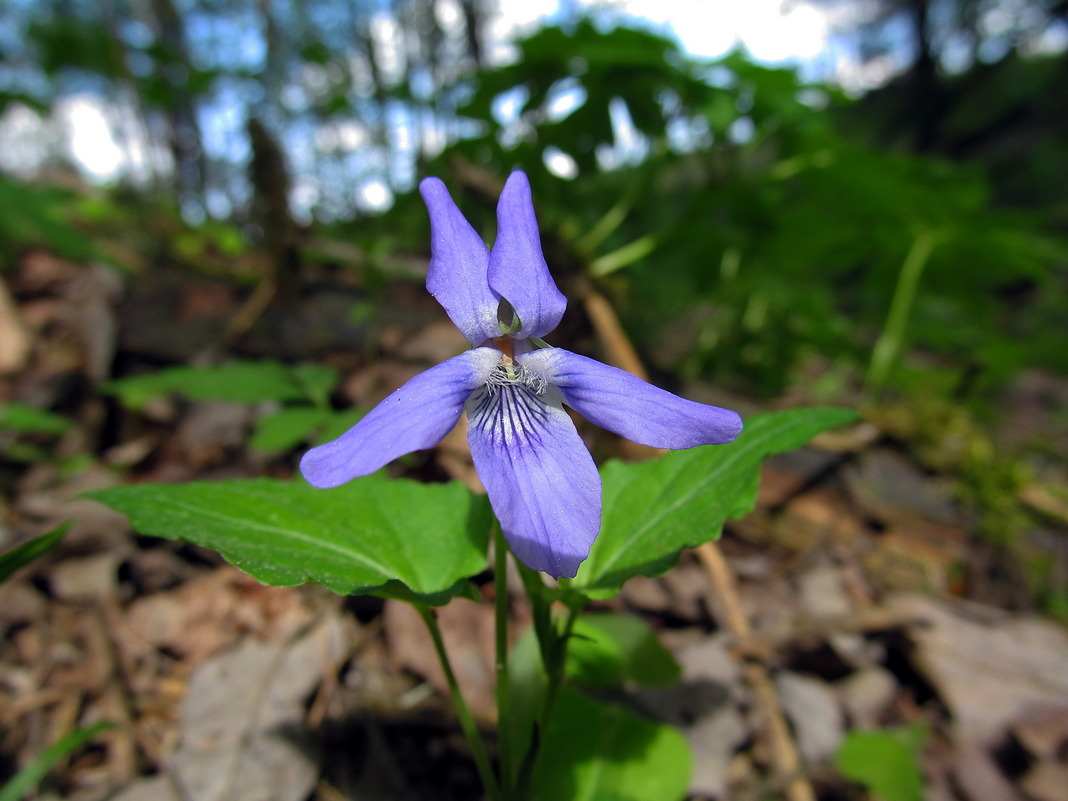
[873, 599]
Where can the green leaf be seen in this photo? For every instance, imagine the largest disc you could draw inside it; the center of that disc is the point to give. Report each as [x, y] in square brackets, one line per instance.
[316, 380]
[653, 510]
[289, 427]
[27, 778]
[354, 539]
[886, 762]
[339, 422]
[526, 691]
[285, 429]
[22, 555]
[609, 650]
[241, 382]
[35, 215]
[26, 419]
[594, 751]
[24, 452]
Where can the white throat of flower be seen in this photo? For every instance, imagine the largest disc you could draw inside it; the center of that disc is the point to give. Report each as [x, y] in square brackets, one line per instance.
[510, 373]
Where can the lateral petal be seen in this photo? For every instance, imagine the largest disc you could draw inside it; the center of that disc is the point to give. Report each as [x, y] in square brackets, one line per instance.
[414, 417]
[624, 404]
[459, 261]
[517, 268]
[541, 480]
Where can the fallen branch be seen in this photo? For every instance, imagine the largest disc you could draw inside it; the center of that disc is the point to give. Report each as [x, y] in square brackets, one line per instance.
[785, 760]
[762, 645]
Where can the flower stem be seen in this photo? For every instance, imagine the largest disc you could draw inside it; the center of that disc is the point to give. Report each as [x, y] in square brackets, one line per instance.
[467, 722]
[552, 643]
[504, 733]
[555, 669]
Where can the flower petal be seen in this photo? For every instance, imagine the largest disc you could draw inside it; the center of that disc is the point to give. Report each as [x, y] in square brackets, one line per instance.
[414, 417]
[626, 405]
[459, 261]
[541, 480]
[517, 268]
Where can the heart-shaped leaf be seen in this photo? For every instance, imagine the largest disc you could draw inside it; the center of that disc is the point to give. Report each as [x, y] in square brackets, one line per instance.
[609, 650]
[653, 510]
[353, 539]
[599, 750]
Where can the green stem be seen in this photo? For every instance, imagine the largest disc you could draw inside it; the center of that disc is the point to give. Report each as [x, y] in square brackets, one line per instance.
[556, 668]
[467, 722]
[541, 620]
[504, 734]
[888, 346]
[552, 643]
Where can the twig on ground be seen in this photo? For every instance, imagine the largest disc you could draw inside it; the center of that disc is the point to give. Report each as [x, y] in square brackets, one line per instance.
[251, 310]
[125, 757]
[784, 756]
[786, 762]
[618, 351]
[761, 645]
[618, 348]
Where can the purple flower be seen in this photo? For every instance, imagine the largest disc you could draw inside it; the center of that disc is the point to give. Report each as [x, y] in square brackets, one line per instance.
[541, 479]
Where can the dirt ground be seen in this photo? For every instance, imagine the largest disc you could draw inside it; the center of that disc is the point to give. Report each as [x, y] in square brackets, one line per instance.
[866, 596]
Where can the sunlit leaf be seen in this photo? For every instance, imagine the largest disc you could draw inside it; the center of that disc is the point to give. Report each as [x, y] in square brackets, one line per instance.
[26, 419]
[353, 539]
[598, 750]
[242, 382]
[611, 650]
[42, 215]
[653, 510]
[289, 427]
[886, 762]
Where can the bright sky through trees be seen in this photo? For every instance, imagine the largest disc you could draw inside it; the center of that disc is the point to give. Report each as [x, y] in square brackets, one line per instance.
[355, 95]
[771, 30]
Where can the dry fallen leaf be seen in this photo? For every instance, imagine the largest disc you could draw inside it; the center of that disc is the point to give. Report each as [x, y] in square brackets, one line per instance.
[814, 712]
[866, 695]
[822, 592]
[979, 778]
[91, 297]
[1046, 781]
[988, 666]
[157, 788]
[705, 705]
[15, 340]
[243, 733]
[1043, 730]
[200, 617]
[468, 630]
[85, 579]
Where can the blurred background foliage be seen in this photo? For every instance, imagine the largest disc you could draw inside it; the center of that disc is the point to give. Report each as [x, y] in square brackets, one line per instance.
[771, 233]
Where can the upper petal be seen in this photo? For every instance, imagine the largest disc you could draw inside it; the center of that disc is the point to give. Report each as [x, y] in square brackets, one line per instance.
[517, 268]
[414, 417]
[541, 480]
[459, 262]
[626, 405]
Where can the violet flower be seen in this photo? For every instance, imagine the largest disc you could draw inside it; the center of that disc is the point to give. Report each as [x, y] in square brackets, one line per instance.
[541, 479]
